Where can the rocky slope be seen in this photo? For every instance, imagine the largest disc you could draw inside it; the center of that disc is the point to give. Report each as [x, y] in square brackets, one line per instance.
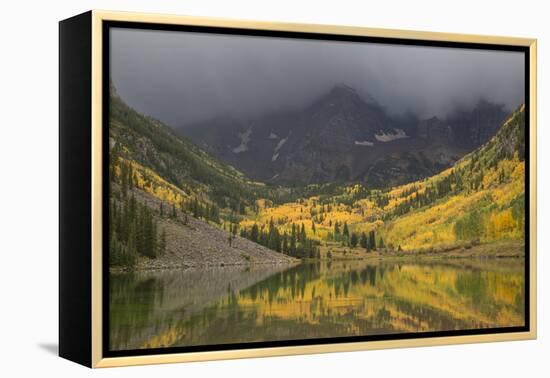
[191, 242]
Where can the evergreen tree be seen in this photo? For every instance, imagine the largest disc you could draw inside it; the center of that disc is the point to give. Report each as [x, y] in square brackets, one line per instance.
[114, 157]
[162, 243]
[254, 233]
[381, 242]
[354, 239]
[372, 241]
[273, 241]
[214, 213]
[293, 241]
[363, 242]
[185, 219]
[196, 208]
[131, 247]
[124, 179]
[312, 251]
[114, 252]
[130, 178]
[174, 213]
[152, 235]
[345, 233]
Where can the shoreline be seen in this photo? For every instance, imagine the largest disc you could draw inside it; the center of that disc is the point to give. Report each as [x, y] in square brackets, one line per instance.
[508, 249]
[162, 267]
[495, 250]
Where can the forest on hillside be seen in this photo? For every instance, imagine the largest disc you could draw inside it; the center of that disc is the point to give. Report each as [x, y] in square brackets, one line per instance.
[481, 199]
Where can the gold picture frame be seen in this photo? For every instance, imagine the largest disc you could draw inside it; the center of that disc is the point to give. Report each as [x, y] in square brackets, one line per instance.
[90, 329]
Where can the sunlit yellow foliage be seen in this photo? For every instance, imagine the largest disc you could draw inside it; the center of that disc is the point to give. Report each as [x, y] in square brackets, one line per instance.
[148, 181]
[427, 227]
[501, 224]
[285, 215]
[431, 226]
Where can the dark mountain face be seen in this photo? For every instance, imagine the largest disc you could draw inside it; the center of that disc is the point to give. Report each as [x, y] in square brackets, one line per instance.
[344, 138]
[474, 128]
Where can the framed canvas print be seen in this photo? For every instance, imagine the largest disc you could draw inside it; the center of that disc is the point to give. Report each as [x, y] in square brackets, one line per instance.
[236, 189]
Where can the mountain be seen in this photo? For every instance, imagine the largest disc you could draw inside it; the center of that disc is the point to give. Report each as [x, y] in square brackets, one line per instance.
[173, 204]
[480, 199]
[342, 137]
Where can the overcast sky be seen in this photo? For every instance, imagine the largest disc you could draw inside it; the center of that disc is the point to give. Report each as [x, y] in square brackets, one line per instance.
[182, 77]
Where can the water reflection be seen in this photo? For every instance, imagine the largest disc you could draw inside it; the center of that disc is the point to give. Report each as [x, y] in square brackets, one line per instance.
[231, 305]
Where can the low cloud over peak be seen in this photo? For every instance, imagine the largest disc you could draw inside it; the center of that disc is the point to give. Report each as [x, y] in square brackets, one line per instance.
[182, 78]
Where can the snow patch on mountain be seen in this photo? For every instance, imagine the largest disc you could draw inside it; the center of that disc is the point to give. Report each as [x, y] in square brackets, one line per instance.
[272, 135]
[245, 138]
[280, 144]
[277, 148]
[399, 134]
[364, 143]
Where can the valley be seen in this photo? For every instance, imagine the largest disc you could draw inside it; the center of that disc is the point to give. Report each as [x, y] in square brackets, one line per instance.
[480, 199]
[270, 189]
[204, 212]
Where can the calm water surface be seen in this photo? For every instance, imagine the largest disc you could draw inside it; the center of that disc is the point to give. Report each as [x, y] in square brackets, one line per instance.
[239, 304]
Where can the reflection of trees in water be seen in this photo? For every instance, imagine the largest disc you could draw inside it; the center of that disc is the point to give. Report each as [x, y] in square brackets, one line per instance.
[368, 275]
[478, 287]
[472, 285]
[293, 279]
[342, 282]
[341, 299]
[473, 289]
[146, 304]
[132, 303]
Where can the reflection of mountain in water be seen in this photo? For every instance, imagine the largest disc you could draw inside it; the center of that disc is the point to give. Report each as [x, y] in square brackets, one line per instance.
[144, 304]
[229, 305]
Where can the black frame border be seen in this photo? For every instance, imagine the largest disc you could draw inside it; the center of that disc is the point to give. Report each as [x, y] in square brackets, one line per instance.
[107, 25]
[75, 189]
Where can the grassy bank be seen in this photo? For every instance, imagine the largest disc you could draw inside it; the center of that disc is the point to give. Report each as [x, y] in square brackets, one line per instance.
[498, 249]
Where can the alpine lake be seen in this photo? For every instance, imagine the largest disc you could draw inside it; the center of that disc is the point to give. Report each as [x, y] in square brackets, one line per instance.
[311, 300]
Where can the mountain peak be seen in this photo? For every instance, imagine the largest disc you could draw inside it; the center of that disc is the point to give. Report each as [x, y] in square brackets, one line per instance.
[343, 88]
[340, 95]
[433, 119]
[343, 91]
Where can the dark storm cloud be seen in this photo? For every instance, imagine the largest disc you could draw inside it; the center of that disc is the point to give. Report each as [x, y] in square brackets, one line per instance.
[187, 77]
